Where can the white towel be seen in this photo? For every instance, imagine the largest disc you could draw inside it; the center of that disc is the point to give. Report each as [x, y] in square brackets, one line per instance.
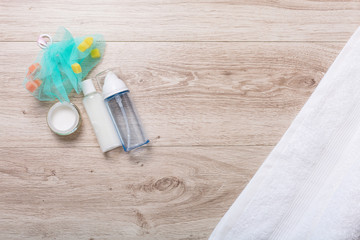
[309, 186]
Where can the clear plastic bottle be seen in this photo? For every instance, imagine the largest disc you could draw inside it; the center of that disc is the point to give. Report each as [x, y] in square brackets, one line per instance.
[122, 110]
[100, 119]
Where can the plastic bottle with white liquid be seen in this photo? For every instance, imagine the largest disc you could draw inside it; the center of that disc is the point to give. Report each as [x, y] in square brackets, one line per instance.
[122, 110]
[100, 119]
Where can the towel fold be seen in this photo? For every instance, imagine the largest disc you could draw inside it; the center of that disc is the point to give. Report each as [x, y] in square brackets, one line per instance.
[309, 186]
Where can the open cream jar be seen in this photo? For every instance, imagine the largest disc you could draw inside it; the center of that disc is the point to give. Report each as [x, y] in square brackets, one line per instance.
[63, 118]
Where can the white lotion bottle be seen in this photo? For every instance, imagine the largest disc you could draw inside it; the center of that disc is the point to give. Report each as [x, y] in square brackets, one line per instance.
[100, 119]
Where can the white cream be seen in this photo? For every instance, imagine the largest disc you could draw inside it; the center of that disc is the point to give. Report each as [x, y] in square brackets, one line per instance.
[63, 118]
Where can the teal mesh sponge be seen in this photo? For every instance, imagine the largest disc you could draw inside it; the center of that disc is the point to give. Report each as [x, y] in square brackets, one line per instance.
[61, 66]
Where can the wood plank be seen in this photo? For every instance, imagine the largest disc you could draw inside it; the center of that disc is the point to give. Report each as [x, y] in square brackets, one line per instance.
[183, 20]
[187, 93]
[152, 193]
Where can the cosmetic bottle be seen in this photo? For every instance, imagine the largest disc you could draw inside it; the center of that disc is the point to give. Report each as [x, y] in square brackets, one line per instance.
[100, 119]
[123, 113]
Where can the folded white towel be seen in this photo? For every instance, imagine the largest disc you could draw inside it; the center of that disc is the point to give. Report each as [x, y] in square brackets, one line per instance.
[309, 186]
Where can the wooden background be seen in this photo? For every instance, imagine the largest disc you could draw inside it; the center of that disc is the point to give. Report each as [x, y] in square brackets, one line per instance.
[216, 84]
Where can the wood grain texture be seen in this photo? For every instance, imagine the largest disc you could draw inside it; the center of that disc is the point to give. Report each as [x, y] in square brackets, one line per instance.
[187, 93]
[216, 83]
[152, 193]
[181, 20]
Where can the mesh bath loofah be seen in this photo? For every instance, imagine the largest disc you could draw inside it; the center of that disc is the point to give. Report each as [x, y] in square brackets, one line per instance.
[60, 66]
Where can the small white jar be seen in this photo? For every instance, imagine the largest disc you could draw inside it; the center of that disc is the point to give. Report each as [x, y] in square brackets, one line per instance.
[63, 118]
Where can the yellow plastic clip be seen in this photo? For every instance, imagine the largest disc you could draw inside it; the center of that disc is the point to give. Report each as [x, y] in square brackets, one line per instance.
[95, 53]
[86, 44]
[76, 68]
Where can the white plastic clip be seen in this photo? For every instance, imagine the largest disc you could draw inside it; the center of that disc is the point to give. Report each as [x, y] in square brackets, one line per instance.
[44, 40]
